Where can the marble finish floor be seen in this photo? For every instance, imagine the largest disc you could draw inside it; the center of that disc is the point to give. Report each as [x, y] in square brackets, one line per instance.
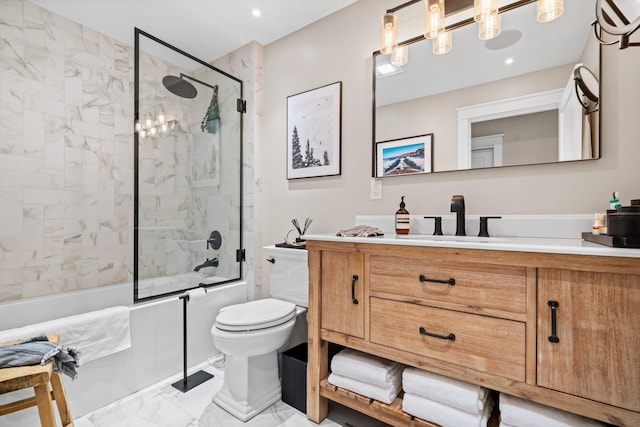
[162, 405]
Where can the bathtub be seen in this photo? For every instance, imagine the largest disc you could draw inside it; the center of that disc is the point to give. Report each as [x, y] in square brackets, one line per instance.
[156, 336]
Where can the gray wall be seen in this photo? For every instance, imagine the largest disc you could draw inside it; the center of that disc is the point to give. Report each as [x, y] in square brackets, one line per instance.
[339, 48]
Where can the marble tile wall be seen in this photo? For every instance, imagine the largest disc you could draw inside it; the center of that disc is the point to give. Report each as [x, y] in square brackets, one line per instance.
[66, 154]
[66, 159]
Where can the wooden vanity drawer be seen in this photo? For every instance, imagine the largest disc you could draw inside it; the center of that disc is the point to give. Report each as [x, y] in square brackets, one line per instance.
[487, 344]
[488, 286]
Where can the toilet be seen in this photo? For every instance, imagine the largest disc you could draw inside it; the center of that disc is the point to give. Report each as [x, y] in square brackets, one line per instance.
[250, 335]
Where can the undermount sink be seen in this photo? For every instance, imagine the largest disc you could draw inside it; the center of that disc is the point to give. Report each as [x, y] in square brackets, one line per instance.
[449, 238]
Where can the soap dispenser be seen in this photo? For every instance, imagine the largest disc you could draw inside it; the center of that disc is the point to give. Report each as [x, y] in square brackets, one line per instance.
[402, 219]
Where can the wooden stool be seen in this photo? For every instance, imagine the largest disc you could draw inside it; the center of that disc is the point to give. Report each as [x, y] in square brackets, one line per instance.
[38, 377]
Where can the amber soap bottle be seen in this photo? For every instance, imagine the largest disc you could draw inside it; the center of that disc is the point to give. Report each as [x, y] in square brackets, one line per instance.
[402, 219]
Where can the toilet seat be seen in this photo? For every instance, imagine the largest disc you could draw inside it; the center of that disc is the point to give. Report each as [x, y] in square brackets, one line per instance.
[254, 315]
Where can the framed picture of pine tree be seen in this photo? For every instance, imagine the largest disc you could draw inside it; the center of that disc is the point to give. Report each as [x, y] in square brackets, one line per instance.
[314, 132]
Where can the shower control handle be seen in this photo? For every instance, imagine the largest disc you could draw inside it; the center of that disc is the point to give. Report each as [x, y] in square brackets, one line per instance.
[354, 279]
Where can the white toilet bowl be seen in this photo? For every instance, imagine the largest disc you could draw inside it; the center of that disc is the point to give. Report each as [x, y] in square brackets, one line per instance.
[249, 335]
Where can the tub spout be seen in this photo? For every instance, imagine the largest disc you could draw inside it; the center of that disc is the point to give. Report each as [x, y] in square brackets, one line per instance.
[208, 263]
[457, 206]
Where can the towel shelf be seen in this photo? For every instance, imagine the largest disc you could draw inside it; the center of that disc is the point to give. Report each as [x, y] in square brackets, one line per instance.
[390, 414]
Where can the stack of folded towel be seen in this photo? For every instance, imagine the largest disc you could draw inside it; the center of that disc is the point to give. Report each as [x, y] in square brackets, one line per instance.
[368, 375]
[515, 412]
[445, 401]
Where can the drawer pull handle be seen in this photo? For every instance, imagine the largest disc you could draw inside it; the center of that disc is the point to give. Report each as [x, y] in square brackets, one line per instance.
[354, 279]
[554, 308]
[451, 281]
[451, 337]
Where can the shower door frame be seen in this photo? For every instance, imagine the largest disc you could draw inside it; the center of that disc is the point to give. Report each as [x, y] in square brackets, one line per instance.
[240, 252]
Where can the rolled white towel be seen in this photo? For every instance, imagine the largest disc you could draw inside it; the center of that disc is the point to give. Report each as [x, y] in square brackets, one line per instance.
[365, 367]
[444, 415]
[383, 394]
[448, 391]
[518, 412]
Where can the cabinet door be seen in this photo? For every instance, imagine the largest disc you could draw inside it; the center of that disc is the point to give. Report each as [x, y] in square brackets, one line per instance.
[343, 292]
[595, 350]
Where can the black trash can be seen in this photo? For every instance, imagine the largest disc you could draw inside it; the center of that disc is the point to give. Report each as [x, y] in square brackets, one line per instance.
[294, 377]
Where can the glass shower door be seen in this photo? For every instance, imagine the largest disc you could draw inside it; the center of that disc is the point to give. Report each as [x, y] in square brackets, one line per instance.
[188, 172]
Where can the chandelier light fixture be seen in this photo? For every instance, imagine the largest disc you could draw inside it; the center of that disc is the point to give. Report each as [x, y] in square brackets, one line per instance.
[485, 12]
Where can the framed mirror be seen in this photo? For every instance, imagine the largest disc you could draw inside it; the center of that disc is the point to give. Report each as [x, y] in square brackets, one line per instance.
[506, 101]
[188, 172]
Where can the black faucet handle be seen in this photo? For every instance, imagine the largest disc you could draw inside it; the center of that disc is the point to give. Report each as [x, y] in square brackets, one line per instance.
[484, 225]
[437, 228]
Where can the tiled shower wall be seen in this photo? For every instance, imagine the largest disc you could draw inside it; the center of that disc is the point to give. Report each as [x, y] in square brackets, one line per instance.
[66, 154]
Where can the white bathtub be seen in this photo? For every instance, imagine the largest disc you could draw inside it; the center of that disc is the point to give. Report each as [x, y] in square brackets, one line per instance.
[161, 285]
[156, 335]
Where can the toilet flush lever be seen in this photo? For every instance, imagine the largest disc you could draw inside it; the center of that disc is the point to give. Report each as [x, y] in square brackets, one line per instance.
[271, 259]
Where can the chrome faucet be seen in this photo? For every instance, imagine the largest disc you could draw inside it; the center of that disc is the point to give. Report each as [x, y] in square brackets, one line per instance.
[457, 206]
[208, 263]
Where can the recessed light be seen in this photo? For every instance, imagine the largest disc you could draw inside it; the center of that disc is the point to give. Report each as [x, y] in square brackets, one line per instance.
[256, 12]
[386, 68]
[509, 61]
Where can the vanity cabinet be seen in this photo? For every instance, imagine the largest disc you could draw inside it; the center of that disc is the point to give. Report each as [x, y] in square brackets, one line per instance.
[481, 316]
[590, 323]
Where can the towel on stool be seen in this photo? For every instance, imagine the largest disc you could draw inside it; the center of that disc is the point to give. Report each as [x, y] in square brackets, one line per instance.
[365, 367]
[39, 351]
[95, 334]
[383, 394]
[523, 413]
[444, 415]
[448, 391]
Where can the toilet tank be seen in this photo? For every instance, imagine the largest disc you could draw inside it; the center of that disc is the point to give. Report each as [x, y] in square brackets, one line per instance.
[288, 274]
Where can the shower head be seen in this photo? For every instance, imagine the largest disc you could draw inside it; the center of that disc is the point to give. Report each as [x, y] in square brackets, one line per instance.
[179, 86]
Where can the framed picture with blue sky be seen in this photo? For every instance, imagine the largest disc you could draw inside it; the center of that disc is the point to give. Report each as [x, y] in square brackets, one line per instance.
[405, 156]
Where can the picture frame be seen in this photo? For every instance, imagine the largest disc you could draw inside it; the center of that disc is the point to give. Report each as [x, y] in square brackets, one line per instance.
[405, 156]
[314, 132]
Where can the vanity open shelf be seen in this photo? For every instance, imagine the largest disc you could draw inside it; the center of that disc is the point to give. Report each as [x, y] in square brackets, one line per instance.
[496, 303]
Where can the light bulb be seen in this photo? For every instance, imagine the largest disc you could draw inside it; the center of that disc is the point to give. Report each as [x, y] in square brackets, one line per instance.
[148, 121]
[160, 116]
[490, 27]
[388, 33]
[483, 9]
[433, 18]
[548, 10]
[400, 55]
[442, 44]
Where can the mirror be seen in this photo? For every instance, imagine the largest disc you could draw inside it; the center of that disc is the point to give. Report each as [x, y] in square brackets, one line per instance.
[506, 101]
[188, 139]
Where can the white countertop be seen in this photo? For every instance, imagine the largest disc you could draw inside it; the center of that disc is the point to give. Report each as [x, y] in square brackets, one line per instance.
[516, 244]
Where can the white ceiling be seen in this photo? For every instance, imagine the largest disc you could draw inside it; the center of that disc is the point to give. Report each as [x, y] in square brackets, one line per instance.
[207, 29]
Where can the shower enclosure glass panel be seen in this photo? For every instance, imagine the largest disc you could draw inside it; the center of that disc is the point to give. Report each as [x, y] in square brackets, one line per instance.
[188, 171]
